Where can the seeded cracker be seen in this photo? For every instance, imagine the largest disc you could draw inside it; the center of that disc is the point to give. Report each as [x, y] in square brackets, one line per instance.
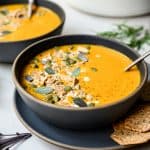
[139, 120]
[127, 137]
[135, 129]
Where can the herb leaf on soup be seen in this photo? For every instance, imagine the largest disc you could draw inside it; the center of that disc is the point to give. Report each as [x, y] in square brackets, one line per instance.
[67, 88]
[4, 12]
[52, 98]
[5, 32]
[94, 69]
[69, 61]
[44, 90]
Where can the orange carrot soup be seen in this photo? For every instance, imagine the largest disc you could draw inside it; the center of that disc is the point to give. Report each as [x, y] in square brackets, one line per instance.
[80, 76]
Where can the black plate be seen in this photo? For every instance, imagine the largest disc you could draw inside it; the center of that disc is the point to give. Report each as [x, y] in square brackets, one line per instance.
[94, 139]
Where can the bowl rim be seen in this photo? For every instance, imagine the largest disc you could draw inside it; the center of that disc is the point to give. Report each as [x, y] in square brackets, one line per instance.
[63, 19]
[36, 100]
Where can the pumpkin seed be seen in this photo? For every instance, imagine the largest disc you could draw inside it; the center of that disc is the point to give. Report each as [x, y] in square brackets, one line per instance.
[44, 90]
[80, 102]
[82, 57]
[49, 70]
[76, 72]
[29, 78]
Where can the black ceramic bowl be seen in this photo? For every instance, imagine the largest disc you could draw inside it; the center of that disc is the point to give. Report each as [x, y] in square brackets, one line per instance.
[9, 50]
[77, 118]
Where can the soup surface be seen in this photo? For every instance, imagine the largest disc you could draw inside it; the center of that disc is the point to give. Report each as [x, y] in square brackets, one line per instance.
[15, 24]
[80, 76]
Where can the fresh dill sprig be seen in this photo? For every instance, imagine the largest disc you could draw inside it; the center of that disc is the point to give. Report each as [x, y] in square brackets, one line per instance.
[135, 37]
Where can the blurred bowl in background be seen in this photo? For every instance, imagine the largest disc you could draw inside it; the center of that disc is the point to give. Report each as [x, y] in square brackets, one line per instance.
[112, 8]
[10, 49]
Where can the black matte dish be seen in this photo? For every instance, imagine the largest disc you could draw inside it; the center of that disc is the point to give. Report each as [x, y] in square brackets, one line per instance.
[77, 118]
[9, 50]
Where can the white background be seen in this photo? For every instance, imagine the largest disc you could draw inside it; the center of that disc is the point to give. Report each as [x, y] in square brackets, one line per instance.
[76, 22]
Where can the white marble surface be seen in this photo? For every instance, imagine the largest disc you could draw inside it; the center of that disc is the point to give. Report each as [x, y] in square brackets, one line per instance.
[76, 22]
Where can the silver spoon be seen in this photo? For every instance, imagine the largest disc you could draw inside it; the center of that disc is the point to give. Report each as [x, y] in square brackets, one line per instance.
[30, 3]
[137, 61]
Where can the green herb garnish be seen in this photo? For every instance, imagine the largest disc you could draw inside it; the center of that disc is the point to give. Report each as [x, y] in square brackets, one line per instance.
[57, 48]
[52, 98]
[76, 72]
[91, 105]
[44, 90]
[35, 66]
[94, 69]
[35, 62]
[6, 32]
[67, 88]
[49, 63]
[69, 61]
[88, 47]
[135, 37]
[4, 12]
[72, 47]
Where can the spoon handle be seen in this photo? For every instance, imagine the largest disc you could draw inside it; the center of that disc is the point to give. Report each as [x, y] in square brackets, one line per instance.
[30, 3]
[137, 61]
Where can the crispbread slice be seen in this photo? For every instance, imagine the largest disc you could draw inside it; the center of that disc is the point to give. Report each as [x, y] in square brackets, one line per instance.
[128, 137]
[139, 120]
[118, 125]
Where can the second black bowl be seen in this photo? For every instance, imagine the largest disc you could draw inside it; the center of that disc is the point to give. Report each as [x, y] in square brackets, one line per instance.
[9, 50]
